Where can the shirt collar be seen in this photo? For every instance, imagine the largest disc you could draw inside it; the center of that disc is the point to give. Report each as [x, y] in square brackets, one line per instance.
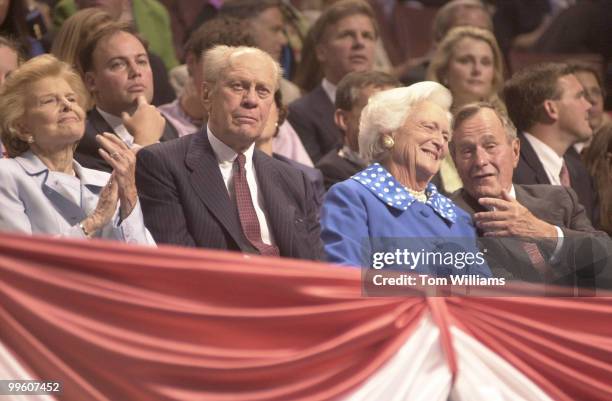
[34, 166]
[352, 156]
[388, 190]
[551, 161]
[224, 153]
[117, 125]
[330, 90]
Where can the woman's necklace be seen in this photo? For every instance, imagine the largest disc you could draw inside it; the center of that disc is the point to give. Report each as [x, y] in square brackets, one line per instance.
[419, 195]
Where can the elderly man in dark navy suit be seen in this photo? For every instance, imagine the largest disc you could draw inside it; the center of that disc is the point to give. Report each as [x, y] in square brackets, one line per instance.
[213, 189]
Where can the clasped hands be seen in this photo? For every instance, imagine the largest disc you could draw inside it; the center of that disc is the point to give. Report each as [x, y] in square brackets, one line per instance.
[121, 187]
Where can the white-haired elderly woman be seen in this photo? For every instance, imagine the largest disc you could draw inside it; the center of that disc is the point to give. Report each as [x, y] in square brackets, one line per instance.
[44, 190]
[404, 132]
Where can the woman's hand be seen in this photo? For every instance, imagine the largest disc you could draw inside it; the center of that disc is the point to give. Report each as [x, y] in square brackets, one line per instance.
[123, 161]
[105, 209]
[146, 124]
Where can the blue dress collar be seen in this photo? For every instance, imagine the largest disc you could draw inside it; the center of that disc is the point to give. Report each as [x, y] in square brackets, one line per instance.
[391, 192]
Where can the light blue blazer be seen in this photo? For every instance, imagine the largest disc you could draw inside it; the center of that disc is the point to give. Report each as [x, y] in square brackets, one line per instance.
[31, 203]
[372, 213]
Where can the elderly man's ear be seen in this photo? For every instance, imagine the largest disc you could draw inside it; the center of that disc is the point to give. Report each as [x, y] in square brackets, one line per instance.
[206, 92]
[516, 151]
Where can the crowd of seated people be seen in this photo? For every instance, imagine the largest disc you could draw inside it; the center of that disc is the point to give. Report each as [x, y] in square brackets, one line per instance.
[323, 164]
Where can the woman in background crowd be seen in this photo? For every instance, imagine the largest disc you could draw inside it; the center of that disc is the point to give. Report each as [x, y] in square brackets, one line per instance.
[14, 25]
[469, 63]
[276, 118]
[44, 191]
[9, 61]
[404, 132]
[598, 159]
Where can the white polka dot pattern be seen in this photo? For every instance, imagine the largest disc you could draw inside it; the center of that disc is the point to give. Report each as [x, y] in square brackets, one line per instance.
[394, 194]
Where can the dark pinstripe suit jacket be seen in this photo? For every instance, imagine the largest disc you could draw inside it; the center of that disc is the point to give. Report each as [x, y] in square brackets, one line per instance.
[185, 202]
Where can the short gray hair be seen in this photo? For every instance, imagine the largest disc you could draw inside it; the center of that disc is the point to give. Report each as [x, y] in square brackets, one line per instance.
[388, 110]
[219, 58]
[472, 109]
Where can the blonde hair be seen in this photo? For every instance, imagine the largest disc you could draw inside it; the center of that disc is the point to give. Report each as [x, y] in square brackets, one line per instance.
[15, 90]
[438, 68]
[219, 58]
[73, 35]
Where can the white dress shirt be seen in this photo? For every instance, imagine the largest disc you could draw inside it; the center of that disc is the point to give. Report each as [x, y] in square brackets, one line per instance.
[117, 125]
[226, 156]
[550, 160]
[330, 90]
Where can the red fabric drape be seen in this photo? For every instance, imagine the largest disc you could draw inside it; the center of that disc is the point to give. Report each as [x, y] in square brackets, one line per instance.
[115, 322]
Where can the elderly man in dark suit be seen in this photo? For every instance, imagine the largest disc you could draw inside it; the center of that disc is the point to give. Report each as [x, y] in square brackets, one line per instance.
[213, 189]
[547, 104]
[549, 227]
[118, 75]
[345, 36]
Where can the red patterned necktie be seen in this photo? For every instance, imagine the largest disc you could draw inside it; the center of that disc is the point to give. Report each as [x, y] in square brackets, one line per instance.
[564, 176]
[246, 210]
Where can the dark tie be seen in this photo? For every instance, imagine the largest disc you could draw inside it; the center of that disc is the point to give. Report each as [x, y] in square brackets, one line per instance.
[246, 210]
[564, 176]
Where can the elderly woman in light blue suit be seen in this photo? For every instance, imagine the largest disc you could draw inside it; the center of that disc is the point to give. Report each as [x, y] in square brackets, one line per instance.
[43, 189]
[391, 205]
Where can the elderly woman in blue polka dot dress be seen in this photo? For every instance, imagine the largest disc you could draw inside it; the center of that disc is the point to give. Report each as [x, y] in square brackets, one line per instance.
[392, 206]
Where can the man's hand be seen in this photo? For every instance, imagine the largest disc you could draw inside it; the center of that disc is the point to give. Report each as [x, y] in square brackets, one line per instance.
[146, 124]
[510, 218]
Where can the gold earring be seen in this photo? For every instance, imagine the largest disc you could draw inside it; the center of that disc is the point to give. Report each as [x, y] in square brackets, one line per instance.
[388, 142]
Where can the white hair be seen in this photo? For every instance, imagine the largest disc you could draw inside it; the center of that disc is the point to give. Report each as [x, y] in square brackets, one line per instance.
[220, 57]
[388, 110]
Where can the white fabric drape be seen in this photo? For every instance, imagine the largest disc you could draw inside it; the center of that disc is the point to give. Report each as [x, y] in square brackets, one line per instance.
[484, 375]
[418, 372]
[11, 369]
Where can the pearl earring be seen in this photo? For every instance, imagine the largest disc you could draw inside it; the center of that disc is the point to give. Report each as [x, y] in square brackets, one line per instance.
[388, 142]
[30, 139]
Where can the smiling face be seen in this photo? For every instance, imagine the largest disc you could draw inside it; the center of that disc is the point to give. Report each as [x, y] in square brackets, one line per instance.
[484, 156]
[471, 69]
[53, 116]
[347, 46]
[239, 103]
[421, 143]
[120, 73]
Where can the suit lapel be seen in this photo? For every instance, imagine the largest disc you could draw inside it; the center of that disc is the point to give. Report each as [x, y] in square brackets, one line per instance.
[280, 214]
[208, 184]
[66, 207]
[98, 122]
[532, 160]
